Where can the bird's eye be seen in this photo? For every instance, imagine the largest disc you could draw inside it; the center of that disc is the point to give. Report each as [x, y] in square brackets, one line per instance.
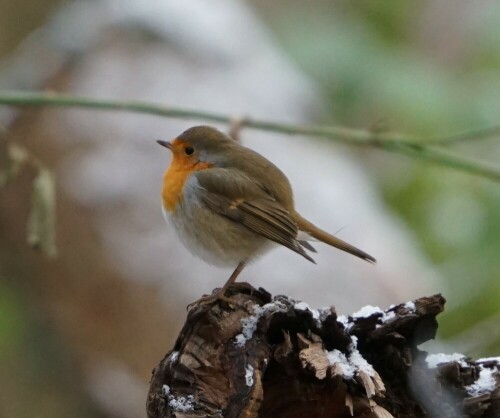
[189, 150]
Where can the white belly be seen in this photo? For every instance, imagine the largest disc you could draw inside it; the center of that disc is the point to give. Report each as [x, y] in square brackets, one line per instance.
[213, 238]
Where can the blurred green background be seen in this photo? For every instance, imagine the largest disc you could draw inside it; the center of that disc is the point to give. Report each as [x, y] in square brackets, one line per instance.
[388, 65]
[391, 65]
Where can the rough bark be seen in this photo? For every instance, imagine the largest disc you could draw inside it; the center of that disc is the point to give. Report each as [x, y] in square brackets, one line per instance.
[275, 357]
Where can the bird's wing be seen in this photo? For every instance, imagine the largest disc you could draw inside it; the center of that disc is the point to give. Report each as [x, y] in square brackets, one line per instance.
[233, 195]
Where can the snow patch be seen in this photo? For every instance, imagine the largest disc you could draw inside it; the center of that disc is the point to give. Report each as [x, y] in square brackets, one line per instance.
[303, 306]
[359, 362]
[344, 320]
[180, 403]
[240, 340]
[249, 324]
[486, 382]
[337, 357]
[434, 360]
[410, 305]
[486, 359]
[324, 313]
[249, 375]
[387, 316]
[367, 311]
[353, 364]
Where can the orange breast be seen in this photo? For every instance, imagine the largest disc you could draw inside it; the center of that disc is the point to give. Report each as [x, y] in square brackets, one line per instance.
[175, 178]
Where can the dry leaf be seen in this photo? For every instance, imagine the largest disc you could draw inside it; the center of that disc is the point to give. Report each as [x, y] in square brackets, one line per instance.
[12, 158]
[41, 223]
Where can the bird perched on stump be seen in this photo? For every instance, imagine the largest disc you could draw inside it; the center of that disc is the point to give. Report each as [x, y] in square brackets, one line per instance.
[229, 204]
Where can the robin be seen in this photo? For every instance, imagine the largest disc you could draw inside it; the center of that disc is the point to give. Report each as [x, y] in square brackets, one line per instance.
[229, 204]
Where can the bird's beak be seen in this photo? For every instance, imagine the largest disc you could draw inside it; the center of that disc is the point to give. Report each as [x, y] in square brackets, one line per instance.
[165, 144]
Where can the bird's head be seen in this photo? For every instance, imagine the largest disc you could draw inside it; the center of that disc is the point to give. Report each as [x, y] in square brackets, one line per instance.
[201, 144]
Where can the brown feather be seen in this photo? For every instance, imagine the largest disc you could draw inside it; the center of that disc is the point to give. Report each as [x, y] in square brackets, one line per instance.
[263, 217]
[319, 234]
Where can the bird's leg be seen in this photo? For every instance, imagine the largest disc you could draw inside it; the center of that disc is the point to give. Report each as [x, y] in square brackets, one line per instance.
[232, 278]
[221, 293]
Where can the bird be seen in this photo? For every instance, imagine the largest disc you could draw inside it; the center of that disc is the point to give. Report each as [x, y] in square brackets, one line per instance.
[229, 205]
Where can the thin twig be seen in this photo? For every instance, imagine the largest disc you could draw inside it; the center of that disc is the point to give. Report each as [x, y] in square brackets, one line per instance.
[480, 133]
[235, 126]
[449, 159]
[411, 146]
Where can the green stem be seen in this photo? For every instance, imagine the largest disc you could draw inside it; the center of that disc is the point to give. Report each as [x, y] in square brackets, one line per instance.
[413, 147]
[479, 133]
[448, 159]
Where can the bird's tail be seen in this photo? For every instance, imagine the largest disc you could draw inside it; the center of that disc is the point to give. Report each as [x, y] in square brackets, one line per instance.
[319, 234]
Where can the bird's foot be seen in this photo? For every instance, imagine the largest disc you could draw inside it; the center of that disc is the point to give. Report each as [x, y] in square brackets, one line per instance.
[211, 299]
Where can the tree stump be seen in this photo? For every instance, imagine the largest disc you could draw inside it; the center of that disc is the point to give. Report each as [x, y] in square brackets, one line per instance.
[275, 357]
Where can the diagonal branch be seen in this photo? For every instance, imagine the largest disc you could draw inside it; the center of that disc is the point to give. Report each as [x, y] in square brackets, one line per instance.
[479, 133]
[417, 148]
[446, 158]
